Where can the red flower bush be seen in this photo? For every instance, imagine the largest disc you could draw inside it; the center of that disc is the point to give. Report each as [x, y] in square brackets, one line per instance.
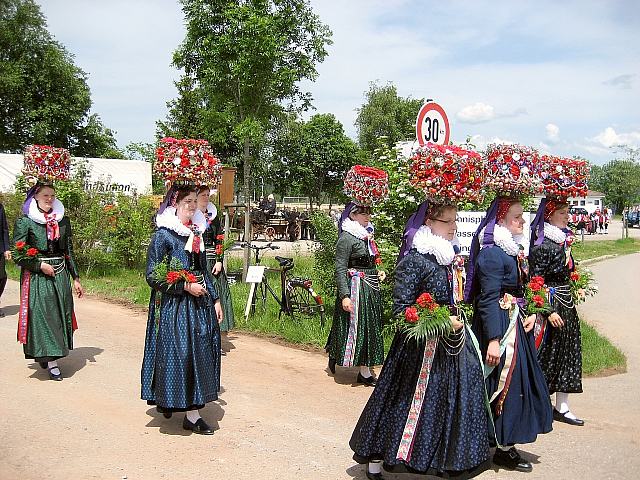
[536, 283]
[20, 245]
[411, 315]
[173, 277]
[538, 300]
[575, 276]
[32, 252]
[424, 300]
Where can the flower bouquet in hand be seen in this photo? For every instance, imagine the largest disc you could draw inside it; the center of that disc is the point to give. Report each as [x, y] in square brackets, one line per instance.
[536, 295]
[426, 319]
[582, 285]
[170, 272]
[22, 251]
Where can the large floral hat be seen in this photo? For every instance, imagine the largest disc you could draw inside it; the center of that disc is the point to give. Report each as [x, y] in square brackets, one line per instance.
[366, 185]
[45, 163]
[187, 161]
[512, 170]
[447, 172]
[563, 177]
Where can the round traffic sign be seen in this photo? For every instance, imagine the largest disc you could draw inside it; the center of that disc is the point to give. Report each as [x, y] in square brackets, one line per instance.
[432, 125]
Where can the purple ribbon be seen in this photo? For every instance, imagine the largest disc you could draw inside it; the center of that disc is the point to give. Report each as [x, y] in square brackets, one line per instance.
[168, 198]
[489, 221]
[30, 194]
[537, 226]
[416, 220]
[345, 214]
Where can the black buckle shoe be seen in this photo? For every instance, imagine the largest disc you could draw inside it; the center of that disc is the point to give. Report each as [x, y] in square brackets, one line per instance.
[374, 476]
[368, 381]
[562, 417]
[200, 427]
[512, 460]
[332, 365]
[55, 376]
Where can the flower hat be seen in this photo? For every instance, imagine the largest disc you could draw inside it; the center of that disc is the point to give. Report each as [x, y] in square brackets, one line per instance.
[512, 170]
[187, 161]
[45, 164]
[366, 185]
[564, 177]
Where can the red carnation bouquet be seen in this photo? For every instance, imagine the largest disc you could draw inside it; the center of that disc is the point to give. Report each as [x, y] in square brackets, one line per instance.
[366, 185]
[582, 285]
[43, 162]
[21, 251]
[536, 295]
[187, 160]
[170, 272]
[512, 170]
[448, 172]
[426, 319]
[564, 177]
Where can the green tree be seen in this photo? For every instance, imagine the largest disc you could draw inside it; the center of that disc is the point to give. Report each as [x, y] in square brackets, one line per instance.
[243, 62]
[386, 114]
[621, 180]
[44, 96]
[313, 157]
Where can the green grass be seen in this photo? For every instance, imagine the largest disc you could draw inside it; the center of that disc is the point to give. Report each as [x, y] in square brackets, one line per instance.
[129, 287]
[587, 250]
[599, 356]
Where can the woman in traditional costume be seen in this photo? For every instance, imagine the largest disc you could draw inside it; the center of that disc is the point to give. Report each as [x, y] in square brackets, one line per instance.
[355, 338]
[181, 365]
[560, 350]
[427, 413]
[498, 271]
[44, 251]
[214, 244]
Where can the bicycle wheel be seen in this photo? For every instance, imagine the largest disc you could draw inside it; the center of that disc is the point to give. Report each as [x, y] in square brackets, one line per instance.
[303, 300]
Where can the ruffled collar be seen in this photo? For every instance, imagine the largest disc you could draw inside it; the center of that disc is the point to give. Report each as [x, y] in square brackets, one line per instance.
[38, 216]
[554, 233]
[357, 230]
[211, 213]
[504, 239]
[425, 241]
[168, 219]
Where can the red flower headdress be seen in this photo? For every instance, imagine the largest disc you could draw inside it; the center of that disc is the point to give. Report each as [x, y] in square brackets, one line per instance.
[564, 177]
[512, 170]
[447, 172]
[366, 185]
[187, 160]
[46, 163]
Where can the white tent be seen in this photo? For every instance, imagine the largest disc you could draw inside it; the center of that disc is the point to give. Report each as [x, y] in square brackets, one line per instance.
[106, 174]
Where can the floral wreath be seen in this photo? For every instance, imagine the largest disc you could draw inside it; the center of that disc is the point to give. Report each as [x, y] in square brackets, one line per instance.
[447, 172]
[564, 177]
[46, 163]
[512, 170]
[366, 185]
[187, 160]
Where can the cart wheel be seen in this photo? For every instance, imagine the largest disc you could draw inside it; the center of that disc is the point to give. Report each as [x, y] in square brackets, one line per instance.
[270, 233]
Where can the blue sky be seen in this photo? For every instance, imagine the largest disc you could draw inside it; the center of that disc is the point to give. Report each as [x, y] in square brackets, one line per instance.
[561, 76]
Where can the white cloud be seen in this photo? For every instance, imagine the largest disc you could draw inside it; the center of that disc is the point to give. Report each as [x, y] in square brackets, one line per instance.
[481, 142]
[609, 138]
[621, 81]
[477, 113]
[553, 133]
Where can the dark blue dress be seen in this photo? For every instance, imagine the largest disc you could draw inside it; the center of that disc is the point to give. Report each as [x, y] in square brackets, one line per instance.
[524, 411]
[181, 365]
[451, 432]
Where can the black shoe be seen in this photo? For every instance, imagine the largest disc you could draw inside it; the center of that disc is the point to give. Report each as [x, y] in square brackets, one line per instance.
[562, 417]
[512, 460]
[374, 476]
[43, 365]
[1, 313]
[55, 376]
[369, 381]
[200, 427]
[332, 365]
[166, 413]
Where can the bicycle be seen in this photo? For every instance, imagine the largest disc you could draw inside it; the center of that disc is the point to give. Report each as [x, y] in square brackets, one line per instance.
[297, 294]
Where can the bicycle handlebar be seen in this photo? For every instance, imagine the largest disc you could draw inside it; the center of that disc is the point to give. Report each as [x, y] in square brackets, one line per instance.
[260, 247]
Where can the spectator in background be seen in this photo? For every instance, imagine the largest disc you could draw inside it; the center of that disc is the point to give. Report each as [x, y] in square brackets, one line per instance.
[262, 203]
[607, 218]
[5, 253]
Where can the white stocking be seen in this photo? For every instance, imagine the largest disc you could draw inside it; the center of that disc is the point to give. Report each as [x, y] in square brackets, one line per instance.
[193, 415]
[562, 405]
[365, 371]
[53, 366]
[375, 466]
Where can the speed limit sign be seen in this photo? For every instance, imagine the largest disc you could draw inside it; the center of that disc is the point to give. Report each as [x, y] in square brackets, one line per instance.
[432, 125]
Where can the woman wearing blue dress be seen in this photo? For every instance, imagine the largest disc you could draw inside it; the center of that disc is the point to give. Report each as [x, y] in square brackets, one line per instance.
[181, 366]
[427, 413]
[515, 383]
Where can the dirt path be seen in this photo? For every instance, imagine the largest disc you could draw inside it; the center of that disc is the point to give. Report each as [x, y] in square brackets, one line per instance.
[280, 415]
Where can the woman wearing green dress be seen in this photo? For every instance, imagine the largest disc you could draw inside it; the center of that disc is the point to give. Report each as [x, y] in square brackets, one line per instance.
[213, 238]
[44, 251]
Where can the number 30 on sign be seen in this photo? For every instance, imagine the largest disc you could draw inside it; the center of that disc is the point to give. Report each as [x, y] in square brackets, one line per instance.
[432, 125]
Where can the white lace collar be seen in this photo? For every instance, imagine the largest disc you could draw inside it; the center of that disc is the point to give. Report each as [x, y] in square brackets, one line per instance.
[168, 219]
[211, 213]
[37, 216]
[425, 241]
[357, 230]
[504, 239]
[554, 233]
